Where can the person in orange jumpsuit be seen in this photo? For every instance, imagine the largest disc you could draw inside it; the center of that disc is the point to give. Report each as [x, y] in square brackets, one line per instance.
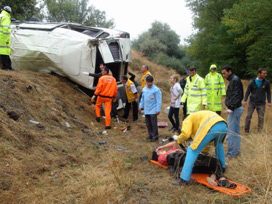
[106, 92]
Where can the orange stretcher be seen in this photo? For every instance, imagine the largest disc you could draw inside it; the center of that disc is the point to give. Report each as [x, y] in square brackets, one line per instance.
[240, 190]
[237, 192]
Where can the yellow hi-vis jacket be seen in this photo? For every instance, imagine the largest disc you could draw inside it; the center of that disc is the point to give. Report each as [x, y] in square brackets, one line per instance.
[5, 32]
[197, 125]
[195, 93]
[215, 87]
[131, 91]
[145, 74]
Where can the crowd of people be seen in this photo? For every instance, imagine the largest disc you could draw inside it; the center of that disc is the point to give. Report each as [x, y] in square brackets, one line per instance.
[201, 100]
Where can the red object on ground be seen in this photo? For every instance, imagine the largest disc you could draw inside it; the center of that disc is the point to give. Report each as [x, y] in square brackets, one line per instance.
[162, 124]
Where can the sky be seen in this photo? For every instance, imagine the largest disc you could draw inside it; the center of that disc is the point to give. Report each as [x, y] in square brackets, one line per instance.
[137, 16]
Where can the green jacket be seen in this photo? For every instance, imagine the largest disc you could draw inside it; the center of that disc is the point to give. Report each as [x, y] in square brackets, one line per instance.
[5, 33]
[195, 94]
[215, 90]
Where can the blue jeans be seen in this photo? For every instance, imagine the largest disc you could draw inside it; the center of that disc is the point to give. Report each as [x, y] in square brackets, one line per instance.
[217, 134]
[233, 136]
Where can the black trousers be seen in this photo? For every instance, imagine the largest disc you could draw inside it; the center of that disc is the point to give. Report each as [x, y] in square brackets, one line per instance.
[134, 105]
[175, 122]
[6, 62]
[152, 126]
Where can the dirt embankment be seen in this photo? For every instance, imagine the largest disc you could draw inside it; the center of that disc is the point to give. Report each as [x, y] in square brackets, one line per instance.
[52, 150]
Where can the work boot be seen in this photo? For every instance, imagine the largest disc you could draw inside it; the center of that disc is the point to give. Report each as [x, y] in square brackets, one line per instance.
[154, 139]
[98, 119]
[108, 127]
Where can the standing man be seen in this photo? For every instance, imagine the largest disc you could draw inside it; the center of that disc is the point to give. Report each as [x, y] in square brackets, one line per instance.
[151, 102]
[233, 102]
[259, 91]
[194, 93]
[145, 73]
[132, 96]
[215, 89]
[106, 92]
[5, 39]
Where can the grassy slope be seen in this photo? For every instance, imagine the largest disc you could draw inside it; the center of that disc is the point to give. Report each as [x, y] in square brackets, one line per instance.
[52, 163]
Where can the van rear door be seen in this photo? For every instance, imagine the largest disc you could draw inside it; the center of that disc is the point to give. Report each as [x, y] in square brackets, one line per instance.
[105, 52]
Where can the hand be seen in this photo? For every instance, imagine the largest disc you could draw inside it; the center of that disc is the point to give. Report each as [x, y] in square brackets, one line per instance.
[159, 148]
[158, 113]
[244, 103]
[114, 99]
[93, 99]
[85, 73]
[175, 137]
[228, 111]
[269, 105]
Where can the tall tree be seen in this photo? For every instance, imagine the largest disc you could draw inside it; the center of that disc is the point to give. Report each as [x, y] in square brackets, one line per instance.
[211, 43]
[250, 23]
[76, 11]
[22, 9]
[161, 44]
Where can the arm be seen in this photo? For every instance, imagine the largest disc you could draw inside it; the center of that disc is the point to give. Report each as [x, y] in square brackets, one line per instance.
[98, 87]
[186, 131]
[248, 91]
[185, 94]
[268, 93]
[141, 104]
[237, 95]
[222, 85]
[159, 100]
[95, 75]
[115, 89]
[202, 87]
[132, 76]
[177, 91]
[134, 90]
[166, 146]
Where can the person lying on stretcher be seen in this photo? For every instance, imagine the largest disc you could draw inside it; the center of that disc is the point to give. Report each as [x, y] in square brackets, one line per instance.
[173, 156]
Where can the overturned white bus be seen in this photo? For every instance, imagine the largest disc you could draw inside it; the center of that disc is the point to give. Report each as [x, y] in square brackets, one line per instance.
[70, 49]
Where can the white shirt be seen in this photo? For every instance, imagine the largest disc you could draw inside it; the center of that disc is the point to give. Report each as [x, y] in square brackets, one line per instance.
[176, 92]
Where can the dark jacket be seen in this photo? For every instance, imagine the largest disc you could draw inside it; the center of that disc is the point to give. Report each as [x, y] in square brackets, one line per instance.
[259, 95]
[235, 92]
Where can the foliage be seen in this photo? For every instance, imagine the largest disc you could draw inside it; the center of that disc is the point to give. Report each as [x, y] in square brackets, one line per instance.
[22, 9]
[232, 32]
[161, 44]
[76, 11]
[251, 24]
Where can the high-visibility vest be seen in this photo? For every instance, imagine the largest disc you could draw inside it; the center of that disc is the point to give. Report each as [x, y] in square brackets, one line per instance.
[195, 94]
[143, 82]
[197, 125]
[130, 95]
[5, 32]
[215, 90]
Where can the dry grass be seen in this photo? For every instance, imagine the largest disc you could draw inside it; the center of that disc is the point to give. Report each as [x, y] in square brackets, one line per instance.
[51, 163]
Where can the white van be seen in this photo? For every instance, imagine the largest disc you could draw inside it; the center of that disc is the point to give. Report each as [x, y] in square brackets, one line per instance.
[70, 49]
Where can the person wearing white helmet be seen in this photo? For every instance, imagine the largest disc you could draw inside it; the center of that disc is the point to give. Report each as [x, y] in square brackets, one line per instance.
[5, 37]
